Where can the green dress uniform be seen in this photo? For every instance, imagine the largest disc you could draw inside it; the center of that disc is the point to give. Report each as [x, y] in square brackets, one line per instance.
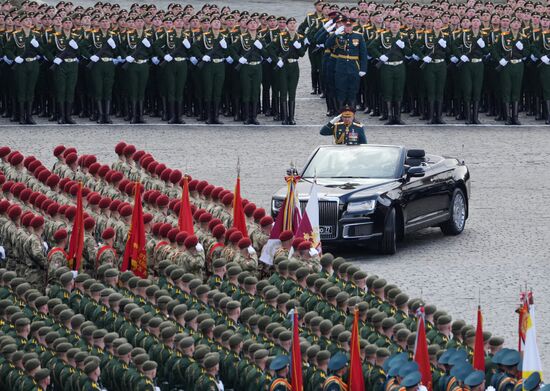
[269, 78]
[280, 384]
[311, 24]
[24, 50]
[212, 49]
[541, 49]
[469, 48]
[432, 49]
[345, 134]
[137, 48]
[285, 52]
[391, 50]
[334, 383]
[509, 50]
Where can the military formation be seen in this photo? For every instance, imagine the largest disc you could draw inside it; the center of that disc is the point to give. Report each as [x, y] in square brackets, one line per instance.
[208, 316]
[432, 59]
[64, 61]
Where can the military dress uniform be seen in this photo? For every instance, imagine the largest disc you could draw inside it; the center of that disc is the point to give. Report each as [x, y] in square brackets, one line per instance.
[541, 49]
[310, 25]
[343, 134]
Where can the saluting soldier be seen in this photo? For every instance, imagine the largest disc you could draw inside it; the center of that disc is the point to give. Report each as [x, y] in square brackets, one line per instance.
[344, 129]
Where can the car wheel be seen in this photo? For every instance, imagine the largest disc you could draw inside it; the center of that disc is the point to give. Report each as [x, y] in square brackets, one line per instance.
[387, 244]
[458, 210]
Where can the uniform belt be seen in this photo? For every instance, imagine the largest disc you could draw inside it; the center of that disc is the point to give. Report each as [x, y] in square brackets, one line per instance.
[475, 60]
[70, 60]
[180, 59]
[345, 57]
[218, 60]
[516, 61]
[139, 62]
[393, 63]
[291, 60]
[438, 60]
[253, 63]
[106, 59]
[30, 59]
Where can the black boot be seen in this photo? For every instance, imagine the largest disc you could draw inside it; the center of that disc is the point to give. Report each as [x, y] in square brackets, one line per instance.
[178, 107]
[389, 114]
[266, 109]
[107, 112]
[547, 105]
[291, 111]
[538, 112]
[431, 113]
[22, 113]
[203, 109]
[501, 112]
[140, 113]
[468, 113]
[68, 113]
[169, 106]
[216, 113]
[130, 111]
[237, 111]
[439, 113]
[397, 115]
[29, 119]
[16, 112]
[284, 113]
[424, 109]
[209, 113]
[173, 108]
[246, 113]
[94, 110]
[507, 110]
[475, 113]
[275, 109]
[61, 113]
[135, 114]
[165, 110]
[515, 114]
[100, 112]
[254, 113]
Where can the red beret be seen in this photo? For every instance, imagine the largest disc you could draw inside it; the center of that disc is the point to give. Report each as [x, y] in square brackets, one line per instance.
[25, 194]
[59, 235]
[114, 205]
[162, 200]
[85, 191]
[6, 187]
[193, 208]
[53, 209]
[191, 241]
[89, 223]
[201, 185]
[33, 166]
[62, 209]
[39, 170]
[4, 205]
[229, 232]
[129, 188]
[104, 202]
[47, 202]
[126, 211]
[40, 200]
[227, 199]
[71, 158]
[90, 159]
[151, 167]
[212, 223]
[296, 242]
[193, 185]
[58, 150]
[218, 231]
[156, 228]
[16, 159]
[216, 192]
[147, 217]
[172, 203]
[70, 213]
[108, 233]
[145, 160]
[43, 176]
[103, 170]
[304, 245]
[175, 176]
[94, 199]
[17, 189]
[285, 235]
[29, 159]
[63, 182]
[160, 168]
[266, 220]
[177, 207]
[37, 221]
[165, 174]
[249, 209]
[205, 217]
[94, 168]
[235, 237]
[26, 218]
[244, 243]
[164, 229]
[74, 189]
[180, 237]
[68, 151]
[153, 196]
[14, 212]
[122, 184]
[198, 213]
[119, 148]
[116, 176]
[137, 155]
[33, 197]
[2, 179]
[129, 150]
[172, 234]
[4, 151]
[52, 180]
[207, 190]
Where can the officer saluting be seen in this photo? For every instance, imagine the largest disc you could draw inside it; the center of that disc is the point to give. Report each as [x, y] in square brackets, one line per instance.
[344, 129]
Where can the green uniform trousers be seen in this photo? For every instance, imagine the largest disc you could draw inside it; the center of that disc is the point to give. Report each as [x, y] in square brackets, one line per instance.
[392, 80]
[511, 77]
[544, 79]
[138, 74]
[288, 81]
[65, 77]
[26, 75]
[213, 77]
[435, 76]
[471, 80]
[175, 77]
[251, 78]
[102, 77]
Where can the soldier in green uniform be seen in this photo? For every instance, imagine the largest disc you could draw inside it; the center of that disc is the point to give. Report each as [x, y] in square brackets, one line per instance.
[338, 367]
[209, 380]
[35, 257]
[311, 24]
[280, 366]
[541, 49]
[343, 128]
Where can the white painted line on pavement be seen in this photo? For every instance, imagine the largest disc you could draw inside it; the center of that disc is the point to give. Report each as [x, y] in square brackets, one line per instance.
[275, 125]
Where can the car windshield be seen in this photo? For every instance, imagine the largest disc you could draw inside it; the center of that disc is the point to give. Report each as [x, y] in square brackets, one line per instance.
[354, 162]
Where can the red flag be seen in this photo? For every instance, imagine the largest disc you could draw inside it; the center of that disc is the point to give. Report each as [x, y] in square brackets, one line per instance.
[296, 357]
[185, 218]
[239, 220]
[479, 349]
[421, 352]
[135, 255]
[523, 312]
[356, 382]
[76, 244]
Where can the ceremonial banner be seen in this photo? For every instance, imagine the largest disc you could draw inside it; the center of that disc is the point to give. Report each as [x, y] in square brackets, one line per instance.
[421, 356]
[531, 356]
[135, 255]
[185, 218]
[356, 382]
[479, 348]
[76, 243]
[296, 357]
[239, 220]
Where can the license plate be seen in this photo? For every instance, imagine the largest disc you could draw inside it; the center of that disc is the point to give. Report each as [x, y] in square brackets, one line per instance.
[326, 229]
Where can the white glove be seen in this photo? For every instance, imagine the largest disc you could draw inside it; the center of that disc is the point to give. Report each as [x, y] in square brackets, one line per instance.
[427, 59]
[415, 57]
[186, 43]
[258, 44]
[335, 119]
[454, 60]
[168, 58]
[2, 253]
[251, 250]
[321, 45]
[306, 41]
[34, 43]
[146, 42]
[223, 43]
[503, 62]
[46, 247]
[384, 58]
[269, 60]
[94, 58]
[206, 58]
[18, 60]
[280, 63]
[442, 43]
[199, 247]
[57, 61]
[339, 30]
[130, 59]
[155, 60]
[297, 44]
[328, 24]
[361, 73]
[545, 59]
[490, 388]
[194, 60]
[73, 44]
[243, 60]
[533, 58]
[111, 43]
[331, 28]
[422, 388]
[464, 58]
[519, 45]
[313, 252]
[480, 43]
[400, 43]
[229, 60]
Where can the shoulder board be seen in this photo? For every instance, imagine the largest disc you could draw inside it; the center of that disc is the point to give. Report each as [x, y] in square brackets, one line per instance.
[523, 36]
[17, 31]
[283, 33]
[444, 34]
[536, 30]
[358, 123]
[57, 34]
[310, 14]
[338, 123]
[37, 31]
[300, 35]
[380, 30]
[505, 33]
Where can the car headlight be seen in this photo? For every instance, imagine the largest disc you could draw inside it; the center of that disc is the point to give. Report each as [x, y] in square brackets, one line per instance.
[362, 206]
[277, 204]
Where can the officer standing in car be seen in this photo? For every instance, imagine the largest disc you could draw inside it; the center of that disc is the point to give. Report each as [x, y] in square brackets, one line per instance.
[344, 129]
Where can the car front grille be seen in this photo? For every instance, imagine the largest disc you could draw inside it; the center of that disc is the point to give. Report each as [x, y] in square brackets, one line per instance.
[328, 218]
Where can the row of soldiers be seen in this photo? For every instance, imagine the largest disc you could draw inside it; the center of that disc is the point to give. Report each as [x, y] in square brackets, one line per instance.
[422, 59]
[232, 328]
[145, 60]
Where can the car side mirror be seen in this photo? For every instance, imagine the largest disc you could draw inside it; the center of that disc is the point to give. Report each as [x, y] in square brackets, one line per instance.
[415, 172]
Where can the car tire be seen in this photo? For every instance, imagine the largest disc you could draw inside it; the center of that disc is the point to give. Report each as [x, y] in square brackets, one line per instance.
[458, 211]
[388, 242]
